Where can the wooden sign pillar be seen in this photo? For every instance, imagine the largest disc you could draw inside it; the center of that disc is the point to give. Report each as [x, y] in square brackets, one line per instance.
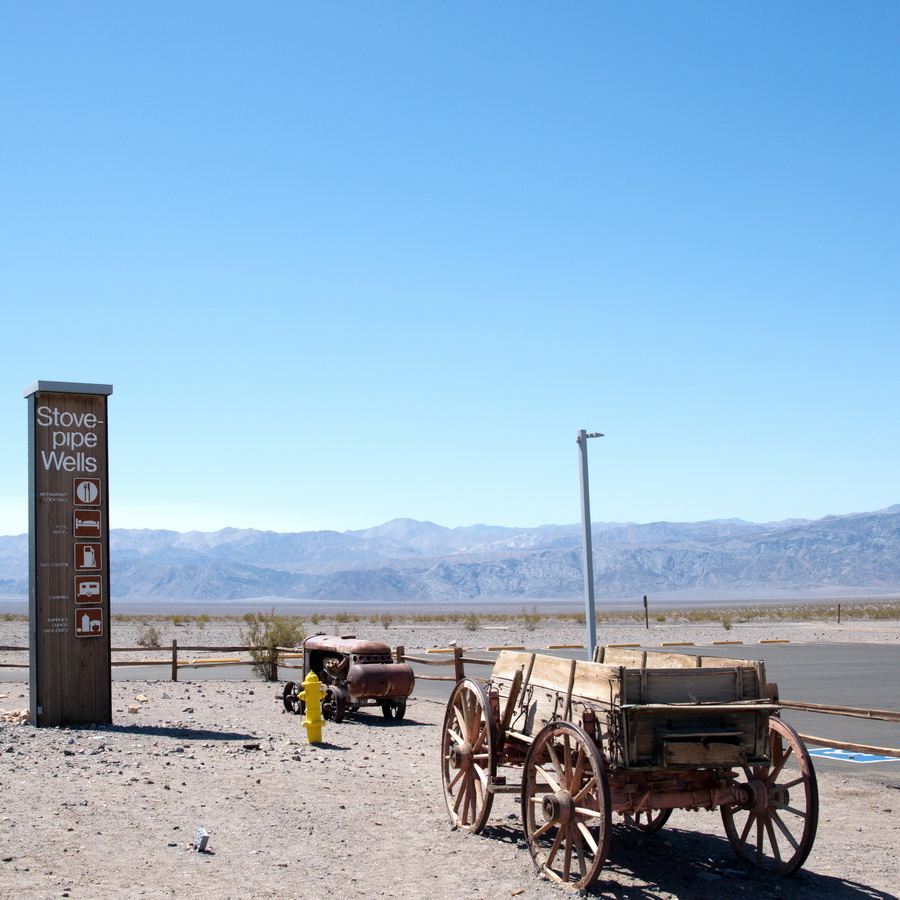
[69, 641]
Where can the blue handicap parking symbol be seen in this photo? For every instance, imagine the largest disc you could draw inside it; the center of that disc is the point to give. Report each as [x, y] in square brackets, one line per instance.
[848, 756]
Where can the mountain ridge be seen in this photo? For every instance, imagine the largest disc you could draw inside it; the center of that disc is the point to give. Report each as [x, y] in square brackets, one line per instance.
[408, 560]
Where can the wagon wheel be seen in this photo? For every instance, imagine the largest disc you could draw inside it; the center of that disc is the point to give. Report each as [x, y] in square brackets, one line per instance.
[468, 756]
[566, 809]
[648, 820]
[292, 703]
[333, 705]
[394, 709]
[777, 828]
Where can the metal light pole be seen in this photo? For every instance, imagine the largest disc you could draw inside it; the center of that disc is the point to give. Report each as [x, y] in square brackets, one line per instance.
[590, 617]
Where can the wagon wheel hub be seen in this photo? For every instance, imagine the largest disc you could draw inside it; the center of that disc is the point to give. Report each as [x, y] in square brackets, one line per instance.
[759, 796]
[558, 807]
[460, 756]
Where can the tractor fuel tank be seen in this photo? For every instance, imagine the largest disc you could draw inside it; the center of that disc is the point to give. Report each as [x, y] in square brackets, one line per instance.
[380, 680]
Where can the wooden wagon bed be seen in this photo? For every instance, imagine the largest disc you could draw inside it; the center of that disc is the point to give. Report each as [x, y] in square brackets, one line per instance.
[651, 710]
[633, 732]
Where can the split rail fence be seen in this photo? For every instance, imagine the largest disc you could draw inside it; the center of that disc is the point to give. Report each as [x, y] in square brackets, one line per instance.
[292, 658]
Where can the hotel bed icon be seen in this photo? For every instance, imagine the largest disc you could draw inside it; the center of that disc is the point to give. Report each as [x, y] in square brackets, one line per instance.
[87, 521]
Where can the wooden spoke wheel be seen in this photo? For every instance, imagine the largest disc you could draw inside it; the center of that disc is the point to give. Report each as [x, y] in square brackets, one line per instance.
[468, 761]
[776, 828]
[648, 820]
[333, 706]
[394, 709]
[566, 809]
[292, 703]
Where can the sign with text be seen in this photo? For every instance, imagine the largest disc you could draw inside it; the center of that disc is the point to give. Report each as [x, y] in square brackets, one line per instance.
[69, 644]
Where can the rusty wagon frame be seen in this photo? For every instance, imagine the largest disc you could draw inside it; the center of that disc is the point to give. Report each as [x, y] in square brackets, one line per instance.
[636, 733]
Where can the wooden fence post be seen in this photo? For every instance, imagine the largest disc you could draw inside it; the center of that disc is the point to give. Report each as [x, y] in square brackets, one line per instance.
[273, 668]
[401, 652]
[458, 669]
[174, 660]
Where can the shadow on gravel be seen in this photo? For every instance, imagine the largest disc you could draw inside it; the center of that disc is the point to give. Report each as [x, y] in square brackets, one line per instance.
[694, 866]
[378, 721]
[508, 833]
[183, 734]
[691, 866]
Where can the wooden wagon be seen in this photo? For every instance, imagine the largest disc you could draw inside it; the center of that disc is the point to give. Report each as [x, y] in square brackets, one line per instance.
[634, 733]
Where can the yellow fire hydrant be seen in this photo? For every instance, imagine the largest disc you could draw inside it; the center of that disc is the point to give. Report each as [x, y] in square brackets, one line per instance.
[312, 694]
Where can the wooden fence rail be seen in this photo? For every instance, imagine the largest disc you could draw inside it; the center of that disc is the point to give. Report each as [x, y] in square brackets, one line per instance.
[459, 661]
[883, 715]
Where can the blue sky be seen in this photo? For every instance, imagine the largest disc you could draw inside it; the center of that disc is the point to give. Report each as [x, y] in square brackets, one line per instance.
[349, 262]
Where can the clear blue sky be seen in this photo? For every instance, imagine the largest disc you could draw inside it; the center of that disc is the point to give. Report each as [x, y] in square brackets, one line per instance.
[346, 262]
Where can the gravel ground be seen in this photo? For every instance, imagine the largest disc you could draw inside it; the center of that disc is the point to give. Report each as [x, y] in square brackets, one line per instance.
[105, 812]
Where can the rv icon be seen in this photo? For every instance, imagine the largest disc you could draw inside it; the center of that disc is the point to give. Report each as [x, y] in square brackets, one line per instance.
[88, 589]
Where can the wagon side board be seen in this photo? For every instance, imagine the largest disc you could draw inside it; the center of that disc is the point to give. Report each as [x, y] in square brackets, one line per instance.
[683, 712]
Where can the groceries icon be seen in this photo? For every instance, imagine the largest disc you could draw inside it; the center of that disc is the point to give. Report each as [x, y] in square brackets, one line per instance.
[87, 556]
[88, 589]
[89, 622]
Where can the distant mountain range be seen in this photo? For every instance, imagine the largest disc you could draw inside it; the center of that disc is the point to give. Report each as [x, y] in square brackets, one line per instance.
[406, 560]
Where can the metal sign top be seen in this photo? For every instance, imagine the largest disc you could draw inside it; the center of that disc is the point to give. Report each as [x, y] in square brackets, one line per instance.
[67, 387]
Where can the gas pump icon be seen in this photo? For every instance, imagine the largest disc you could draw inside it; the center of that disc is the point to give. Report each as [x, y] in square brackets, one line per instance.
[87, 556]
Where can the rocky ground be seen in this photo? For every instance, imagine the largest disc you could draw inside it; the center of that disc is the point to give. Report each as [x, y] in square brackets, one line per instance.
[103, 812]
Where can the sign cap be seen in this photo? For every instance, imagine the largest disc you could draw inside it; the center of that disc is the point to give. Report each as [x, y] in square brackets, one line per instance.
[67, 387]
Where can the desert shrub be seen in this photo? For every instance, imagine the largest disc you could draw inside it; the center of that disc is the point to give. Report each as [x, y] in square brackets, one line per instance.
[263, 634]
[315, 619]
[344, 618]
[180, 620]
[149, 636]
[471, 622]
[385, 620]
[202, 619]
[532, 619]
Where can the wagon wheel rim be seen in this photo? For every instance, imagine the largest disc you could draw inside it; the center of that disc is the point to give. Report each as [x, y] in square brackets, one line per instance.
[647, 820]
[776, 828]
[292, 703]
[566, 808]
[468, 756]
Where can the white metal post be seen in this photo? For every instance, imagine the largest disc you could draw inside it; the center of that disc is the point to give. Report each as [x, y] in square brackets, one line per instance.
[589, 613]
